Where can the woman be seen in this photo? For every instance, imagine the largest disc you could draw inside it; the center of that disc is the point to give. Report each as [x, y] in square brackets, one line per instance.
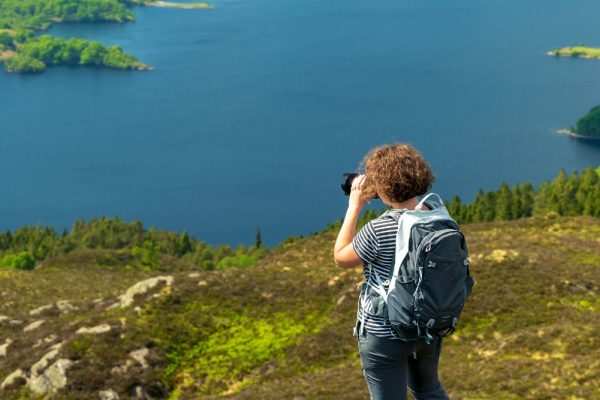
[397, 174]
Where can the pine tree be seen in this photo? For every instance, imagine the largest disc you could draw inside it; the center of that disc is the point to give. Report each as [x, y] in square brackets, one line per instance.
[526, 199]
[455, 209]
[185, 244]
[503, 204]
[258, 238]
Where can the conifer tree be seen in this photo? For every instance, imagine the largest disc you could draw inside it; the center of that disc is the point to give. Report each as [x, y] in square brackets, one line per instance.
[504, 203]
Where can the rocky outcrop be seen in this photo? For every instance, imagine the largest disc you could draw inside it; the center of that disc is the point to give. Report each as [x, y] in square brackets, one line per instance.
[53, 378]
[140, 288]
[45, 376]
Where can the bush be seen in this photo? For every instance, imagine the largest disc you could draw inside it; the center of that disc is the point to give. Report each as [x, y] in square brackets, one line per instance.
[23, 260]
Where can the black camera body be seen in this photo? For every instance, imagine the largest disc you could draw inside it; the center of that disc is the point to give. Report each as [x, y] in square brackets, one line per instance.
[347, 179]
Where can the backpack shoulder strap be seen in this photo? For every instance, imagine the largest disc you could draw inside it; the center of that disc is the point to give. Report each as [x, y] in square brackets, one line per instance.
[422, 202]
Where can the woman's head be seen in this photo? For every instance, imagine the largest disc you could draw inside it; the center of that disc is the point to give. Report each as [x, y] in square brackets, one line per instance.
[396, 172]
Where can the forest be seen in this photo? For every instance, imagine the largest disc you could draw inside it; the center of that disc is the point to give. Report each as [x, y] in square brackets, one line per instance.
[569, 195]
[29, 53]
[589, 125]
[37, 53]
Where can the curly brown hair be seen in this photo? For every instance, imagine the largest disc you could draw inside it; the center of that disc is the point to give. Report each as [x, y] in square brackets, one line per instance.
[396, 171]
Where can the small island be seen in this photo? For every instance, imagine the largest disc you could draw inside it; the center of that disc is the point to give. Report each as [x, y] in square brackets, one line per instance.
[580, 51]
[22, 50]
[170, 4]
[587, 127]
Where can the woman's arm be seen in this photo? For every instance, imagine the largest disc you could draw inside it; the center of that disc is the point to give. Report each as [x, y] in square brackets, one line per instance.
[343, 252]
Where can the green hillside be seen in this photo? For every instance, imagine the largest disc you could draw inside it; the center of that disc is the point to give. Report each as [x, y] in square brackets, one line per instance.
[282, 329]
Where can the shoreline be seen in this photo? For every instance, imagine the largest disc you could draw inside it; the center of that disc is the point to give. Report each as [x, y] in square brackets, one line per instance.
[6, 54]
[168, 4]
[575, 135]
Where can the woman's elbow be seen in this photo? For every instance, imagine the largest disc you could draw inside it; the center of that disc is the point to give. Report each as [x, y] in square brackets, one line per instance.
[344, 262]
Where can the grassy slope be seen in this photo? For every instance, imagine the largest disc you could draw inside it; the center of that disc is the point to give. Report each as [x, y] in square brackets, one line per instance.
[283, 329]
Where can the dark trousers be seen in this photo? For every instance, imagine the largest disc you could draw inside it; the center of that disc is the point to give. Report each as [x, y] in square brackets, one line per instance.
[390, 367]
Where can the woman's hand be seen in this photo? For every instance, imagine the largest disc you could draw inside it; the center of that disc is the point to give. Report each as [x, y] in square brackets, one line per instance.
[343, 252]
[357, 198]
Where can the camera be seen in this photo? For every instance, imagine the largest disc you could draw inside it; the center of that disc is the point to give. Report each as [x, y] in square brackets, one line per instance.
[347, 180]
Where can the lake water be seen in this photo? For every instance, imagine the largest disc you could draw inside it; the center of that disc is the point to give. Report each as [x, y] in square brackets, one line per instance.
[256, 108]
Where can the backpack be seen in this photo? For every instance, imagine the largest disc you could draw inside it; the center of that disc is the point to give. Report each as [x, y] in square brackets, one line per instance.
[430, 282]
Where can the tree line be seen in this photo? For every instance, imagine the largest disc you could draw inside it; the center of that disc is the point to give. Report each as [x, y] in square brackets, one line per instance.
[575, 194]
[24, 246]
[570, 195]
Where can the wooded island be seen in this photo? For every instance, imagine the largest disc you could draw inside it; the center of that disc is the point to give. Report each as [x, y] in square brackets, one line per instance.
[22, 51]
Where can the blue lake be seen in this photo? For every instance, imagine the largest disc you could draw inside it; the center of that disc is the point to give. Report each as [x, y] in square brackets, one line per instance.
[256, 108]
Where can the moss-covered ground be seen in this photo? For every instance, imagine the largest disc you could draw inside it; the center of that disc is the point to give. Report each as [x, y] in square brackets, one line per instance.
[283, 329]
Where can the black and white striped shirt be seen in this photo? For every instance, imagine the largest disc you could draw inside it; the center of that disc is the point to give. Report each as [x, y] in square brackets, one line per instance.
[375, 243]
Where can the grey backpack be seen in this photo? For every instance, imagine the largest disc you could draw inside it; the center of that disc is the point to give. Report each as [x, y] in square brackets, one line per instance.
[430, 282]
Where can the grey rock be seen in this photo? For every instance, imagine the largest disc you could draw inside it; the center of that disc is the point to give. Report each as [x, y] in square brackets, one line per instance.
[15, 379]
[108, 395]
[140, 393]
[140, 288]
[34, 325]
[65, 306]
[40, 310]
[4, 347]
[39, 367]
[94, 330]
[140, 356]
[53, 379]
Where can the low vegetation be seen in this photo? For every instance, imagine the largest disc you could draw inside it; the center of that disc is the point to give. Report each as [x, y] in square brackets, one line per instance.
[580, 51]
[282, 328]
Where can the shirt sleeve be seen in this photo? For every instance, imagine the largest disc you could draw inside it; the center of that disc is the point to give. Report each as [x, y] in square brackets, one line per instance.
[365, 243]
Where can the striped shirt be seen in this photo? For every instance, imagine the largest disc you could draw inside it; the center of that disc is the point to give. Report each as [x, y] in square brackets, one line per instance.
[375, 243]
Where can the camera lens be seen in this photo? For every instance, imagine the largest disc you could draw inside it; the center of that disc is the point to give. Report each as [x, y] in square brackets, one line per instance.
[347, 180]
